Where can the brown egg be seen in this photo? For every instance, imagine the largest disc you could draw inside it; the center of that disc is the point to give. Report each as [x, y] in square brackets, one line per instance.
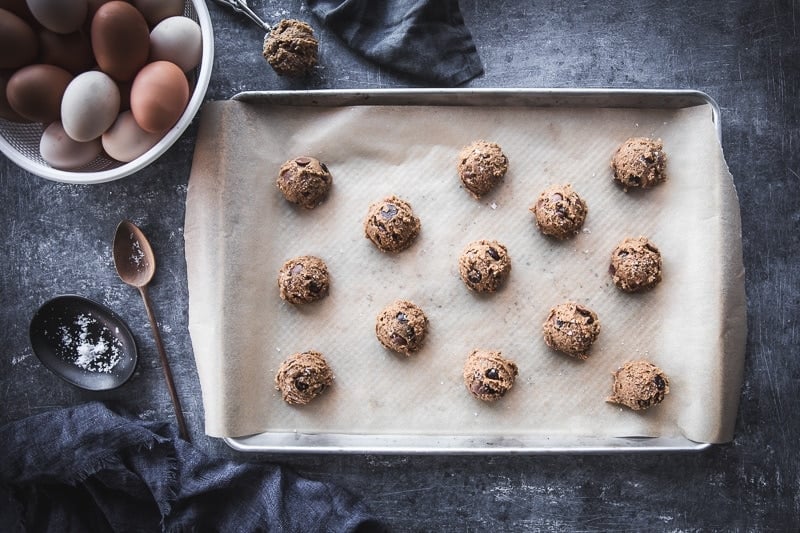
[158, 96]
[35, 92]
[18, 43]
[71, 51]
[94, 5]
[5, 108]
[120, 40]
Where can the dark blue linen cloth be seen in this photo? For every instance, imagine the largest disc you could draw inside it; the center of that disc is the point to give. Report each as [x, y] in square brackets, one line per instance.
[88, 469]
[426, 39]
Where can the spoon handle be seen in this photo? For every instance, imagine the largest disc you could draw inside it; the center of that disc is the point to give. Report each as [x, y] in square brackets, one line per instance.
[240, 6]
[165, 365]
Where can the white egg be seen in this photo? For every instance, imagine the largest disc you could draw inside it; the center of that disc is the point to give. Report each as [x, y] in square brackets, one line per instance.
[179, 40]
[90, 105]
[62, 152]
[125, 140]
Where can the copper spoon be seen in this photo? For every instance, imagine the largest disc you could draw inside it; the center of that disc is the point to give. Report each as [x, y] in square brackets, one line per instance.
[136, 264]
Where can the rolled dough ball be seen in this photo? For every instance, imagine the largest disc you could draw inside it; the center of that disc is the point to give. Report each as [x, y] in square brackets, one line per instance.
[484, 265]
[303, 279]
[559, 211]
[488, 375]
[635, 265]
[640, 163]
[481, 166]
[304, 181]
[291, 49]
[639, 385]
[302, 377]
[401, 327]
[391, 224]
[571, 328]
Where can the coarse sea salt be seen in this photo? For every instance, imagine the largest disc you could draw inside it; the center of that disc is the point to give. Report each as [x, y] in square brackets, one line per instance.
[89, 347]
[137, 254]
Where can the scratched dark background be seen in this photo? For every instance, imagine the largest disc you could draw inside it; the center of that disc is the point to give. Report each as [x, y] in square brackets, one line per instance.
[56, 239]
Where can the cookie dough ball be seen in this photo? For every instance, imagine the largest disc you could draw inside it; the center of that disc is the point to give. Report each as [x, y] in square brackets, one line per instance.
[290, 48]
[391, 224]
[488, 375]
[640, 163]
[303, 279]
[559, 211]
[639, 385]
[401, 327]
[302, 377]
[304, 181]
[635, 265]
[481, 166]
[572, 329]
[484, 265]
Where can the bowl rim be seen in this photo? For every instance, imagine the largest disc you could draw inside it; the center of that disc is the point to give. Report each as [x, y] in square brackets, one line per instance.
[169, 138]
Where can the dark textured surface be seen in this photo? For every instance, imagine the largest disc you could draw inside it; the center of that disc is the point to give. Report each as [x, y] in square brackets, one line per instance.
[57, 239]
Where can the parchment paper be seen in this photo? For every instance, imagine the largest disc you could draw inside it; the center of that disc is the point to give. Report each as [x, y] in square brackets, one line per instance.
[239, 230]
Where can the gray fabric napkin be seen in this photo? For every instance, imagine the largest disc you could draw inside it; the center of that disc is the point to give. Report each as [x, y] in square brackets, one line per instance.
[88, 469]
[426, 39]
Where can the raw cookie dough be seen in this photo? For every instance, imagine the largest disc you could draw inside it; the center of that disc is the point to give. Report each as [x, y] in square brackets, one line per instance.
[640, 162]
[302, 377]
[635, 265]
[639, 385]
[571, 328]
[488, 375]
[290, 48]
[303, 279]
[304, 181]
[391, 224]
[401, 327]
[481, 165]
[559, 211]
[484, 265]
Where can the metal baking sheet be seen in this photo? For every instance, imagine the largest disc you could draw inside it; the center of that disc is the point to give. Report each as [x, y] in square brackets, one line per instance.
[327, 442]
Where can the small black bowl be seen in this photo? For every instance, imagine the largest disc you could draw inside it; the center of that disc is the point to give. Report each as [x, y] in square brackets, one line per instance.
[83, 342]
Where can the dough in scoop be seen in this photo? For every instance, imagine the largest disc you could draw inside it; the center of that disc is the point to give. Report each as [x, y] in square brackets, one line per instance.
[291, 49]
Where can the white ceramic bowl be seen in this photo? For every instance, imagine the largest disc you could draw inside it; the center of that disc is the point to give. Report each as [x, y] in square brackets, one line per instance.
[20, 142]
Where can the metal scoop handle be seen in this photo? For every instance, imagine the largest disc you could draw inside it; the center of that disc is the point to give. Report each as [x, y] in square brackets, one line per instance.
[241, 6]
